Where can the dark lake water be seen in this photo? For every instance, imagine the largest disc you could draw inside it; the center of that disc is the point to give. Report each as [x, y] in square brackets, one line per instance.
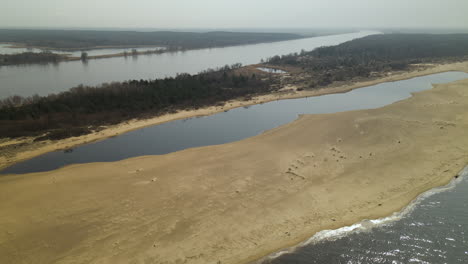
[26, 80]
[229, 126]
[432, 229]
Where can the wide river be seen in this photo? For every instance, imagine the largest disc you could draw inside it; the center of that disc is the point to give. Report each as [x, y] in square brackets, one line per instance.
[26, 80]
[229, 126]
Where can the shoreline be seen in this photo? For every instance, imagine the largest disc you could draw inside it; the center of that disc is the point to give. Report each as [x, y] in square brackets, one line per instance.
[356, 227]
[242, 200]
[288, 92]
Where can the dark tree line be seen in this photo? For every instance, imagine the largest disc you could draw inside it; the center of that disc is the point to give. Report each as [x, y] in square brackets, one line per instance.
[375, 54]
[72, 112]
[85, 39]
[30, 57]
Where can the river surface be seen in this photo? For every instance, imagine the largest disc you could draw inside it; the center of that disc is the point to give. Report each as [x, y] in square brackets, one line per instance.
[229, 126]
[432, 229]
[26, 80]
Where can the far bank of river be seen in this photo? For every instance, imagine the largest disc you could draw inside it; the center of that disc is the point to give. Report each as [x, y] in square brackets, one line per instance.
[26, 80]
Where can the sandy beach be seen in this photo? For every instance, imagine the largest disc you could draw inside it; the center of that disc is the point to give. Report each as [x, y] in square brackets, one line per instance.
[237, 202]
[25, 148]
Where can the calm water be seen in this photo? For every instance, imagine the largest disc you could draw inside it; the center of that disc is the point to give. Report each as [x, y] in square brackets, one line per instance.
[4, 49]
[27, 80]
[433, 229]
[229, 126]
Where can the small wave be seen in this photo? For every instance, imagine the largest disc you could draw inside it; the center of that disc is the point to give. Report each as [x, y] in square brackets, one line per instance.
[367, 225]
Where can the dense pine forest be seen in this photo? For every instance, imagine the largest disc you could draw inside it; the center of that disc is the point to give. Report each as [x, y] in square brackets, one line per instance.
[73, 112]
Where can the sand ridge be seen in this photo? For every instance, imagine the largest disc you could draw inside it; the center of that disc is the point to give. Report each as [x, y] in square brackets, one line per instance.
[240, 201]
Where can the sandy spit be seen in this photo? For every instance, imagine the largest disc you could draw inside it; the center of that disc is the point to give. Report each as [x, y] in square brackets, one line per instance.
[34, 149]
[237, 202]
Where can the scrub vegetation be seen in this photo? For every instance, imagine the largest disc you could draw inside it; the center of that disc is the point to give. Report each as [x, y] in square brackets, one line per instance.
[373, 55]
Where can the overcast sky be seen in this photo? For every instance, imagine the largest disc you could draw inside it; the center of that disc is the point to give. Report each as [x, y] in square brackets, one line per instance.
[233, 13]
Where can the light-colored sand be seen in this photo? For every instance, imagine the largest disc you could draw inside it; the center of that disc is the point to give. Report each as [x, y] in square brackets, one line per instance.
[237, 202]
[35, 149]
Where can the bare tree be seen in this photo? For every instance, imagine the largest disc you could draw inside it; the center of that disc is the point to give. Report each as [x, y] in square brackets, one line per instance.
[84, 56]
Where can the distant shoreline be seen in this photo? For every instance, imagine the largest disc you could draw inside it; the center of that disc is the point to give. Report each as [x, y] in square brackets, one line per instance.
[66, 58]
[86, 40]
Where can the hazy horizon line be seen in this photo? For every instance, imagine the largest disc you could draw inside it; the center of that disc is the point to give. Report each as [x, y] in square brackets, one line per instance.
[229, 28]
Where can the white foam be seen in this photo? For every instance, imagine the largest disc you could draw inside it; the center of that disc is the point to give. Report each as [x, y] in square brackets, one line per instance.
[367, 225]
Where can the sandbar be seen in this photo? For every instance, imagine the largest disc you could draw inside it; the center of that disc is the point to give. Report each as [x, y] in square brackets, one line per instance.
[237, 202]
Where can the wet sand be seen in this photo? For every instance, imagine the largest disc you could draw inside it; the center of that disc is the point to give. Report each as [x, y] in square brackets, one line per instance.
[25, 148]
[238, 202]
